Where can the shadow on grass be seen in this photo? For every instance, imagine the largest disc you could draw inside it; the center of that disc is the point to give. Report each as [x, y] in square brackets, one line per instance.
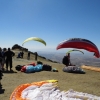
[9, 71]
[1, 90]
[77, 72]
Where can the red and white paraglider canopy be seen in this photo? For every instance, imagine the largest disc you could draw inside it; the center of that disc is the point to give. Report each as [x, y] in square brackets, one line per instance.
[80, 43]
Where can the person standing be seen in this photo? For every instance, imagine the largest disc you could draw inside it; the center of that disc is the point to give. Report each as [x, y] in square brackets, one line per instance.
[0, 52]
[66, 60]
[22, 53]
[28, 57]
[0, 70]
[36, 56]
[9, 54]
[3, 58]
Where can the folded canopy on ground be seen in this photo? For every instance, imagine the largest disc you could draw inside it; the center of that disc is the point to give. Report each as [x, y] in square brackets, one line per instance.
[97, 69]
[79, 43]
[73, 69]
[48, 90]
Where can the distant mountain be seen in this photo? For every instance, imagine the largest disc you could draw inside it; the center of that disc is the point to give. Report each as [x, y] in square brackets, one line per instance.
[76, 58]
[16, 46]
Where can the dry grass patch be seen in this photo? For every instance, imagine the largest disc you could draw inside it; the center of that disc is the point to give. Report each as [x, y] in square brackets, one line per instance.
[89, 82]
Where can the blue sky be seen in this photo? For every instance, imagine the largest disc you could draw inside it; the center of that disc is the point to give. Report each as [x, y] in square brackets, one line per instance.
[51, 20]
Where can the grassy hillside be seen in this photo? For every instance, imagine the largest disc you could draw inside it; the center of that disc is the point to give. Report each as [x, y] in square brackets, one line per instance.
[32, 56]
[88, 83]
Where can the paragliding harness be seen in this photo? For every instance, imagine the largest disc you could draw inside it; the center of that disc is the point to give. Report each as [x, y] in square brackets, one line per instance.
[18, 67]
[39, 62]
[65, 60]
[47, 67]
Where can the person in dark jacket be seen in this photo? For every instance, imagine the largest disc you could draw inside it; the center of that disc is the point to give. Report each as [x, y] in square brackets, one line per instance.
[28, 56]
[9, 54]
[0, 52]
[0, 70]
[36, 54]
[66, 60]
[3, 58]
[19, 55]
[22, 54]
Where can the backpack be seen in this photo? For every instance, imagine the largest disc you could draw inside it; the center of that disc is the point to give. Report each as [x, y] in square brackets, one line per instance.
[18, 67]
[46, 67]
[39, 62]
[65, 60]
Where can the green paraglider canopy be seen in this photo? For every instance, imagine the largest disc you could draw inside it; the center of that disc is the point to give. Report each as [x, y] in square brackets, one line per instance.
[74, 50]
[35, 39]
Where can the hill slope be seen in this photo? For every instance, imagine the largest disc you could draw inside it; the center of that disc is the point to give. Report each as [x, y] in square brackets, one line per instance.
[88, 83]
